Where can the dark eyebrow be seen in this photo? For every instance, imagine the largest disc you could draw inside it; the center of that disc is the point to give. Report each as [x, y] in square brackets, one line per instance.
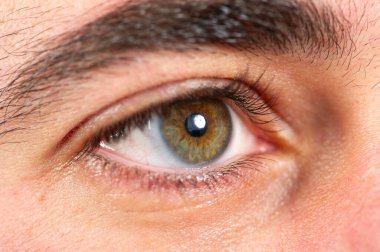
[259, 26]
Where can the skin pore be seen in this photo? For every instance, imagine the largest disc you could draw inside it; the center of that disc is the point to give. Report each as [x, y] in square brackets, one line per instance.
[70, 68]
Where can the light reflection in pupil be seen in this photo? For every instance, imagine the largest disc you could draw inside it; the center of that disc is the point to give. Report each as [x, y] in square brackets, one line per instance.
[196, 125]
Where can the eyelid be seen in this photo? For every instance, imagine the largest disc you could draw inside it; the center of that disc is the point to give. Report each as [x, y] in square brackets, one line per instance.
[139, 102]
[77, 150]
[127, 106]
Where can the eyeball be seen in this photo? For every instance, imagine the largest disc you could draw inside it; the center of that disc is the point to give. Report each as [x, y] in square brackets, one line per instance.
[190, 134]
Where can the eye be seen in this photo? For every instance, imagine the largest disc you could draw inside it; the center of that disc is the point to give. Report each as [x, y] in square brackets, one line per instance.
[191, 135]
[182, 135]
[204, 134]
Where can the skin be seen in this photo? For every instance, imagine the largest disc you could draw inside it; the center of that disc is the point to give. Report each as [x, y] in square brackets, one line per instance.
[323, 195]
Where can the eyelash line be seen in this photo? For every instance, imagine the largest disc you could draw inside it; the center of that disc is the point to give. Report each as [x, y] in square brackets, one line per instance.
[244, 96]
[154, 181]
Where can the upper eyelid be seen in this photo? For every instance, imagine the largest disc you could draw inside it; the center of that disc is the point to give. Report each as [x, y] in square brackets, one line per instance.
[140, 118]
[96, 102]
[115, 112]
[177, 88]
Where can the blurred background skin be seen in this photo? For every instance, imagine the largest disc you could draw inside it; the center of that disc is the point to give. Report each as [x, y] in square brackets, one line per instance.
[338, 209]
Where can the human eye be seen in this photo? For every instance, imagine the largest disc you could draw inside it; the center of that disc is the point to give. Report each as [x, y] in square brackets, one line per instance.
[189, 142]
[190, 138]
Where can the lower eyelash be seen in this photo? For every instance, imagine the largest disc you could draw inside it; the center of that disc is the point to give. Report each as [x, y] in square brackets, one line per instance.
[134, 178]
[145, 180]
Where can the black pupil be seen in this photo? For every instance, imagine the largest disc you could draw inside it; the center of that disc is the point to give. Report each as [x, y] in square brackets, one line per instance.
[196, 125]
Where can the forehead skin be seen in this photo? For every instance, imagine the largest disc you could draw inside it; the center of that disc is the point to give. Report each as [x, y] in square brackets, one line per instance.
[24, 24]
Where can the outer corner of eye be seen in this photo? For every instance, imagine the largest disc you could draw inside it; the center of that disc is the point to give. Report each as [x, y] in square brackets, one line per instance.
[247, 138]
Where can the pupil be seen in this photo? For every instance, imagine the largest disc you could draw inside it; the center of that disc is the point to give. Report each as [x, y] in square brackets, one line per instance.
[196, 125]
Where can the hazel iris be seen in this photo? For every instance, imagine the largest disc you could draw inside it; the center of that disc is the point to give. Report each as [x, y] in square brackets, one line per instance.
[197, 131]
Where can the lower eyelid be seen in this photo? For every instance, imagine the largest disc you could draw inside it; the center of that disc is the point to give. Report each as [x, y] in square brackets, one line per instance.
[135, 191]
[136, 178]
[117, 169]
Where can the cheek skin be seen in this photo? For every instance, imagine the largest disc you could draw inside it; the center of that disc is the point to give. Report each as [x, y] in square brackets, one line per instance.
[23, 211]
[364, 228]
[342, 214]
[364, 233]
[39, 217]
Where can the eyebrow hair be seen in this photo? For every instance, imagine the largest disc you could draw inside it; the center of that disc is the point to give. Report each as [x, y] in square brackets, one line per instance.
[257, 26]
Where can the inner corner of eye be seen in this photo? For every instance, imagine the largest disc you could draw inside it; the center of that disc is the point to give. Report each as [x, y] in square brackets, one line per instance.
[185, 134]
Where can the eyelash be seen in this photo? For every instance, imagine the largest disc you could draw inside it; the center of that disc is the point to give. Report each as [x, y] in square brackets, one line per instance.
[118, 174]
[243, 96]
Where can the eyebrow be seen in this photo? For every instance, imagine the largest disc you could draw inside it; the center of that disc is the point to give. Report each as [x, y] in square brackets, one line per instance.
[258, 26]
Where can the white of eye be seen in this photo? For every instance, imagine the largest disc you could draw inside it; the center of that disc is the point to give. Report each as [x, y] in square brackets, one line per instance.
[147, 147]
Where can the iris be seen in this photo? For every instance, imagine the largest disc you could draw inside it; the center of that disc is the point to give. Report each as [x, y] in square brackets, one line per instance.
[197, 131]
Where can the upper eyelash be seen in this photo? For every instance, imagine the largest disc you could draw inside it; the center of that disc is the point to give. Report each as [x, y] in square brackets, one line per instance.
[243, 96]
